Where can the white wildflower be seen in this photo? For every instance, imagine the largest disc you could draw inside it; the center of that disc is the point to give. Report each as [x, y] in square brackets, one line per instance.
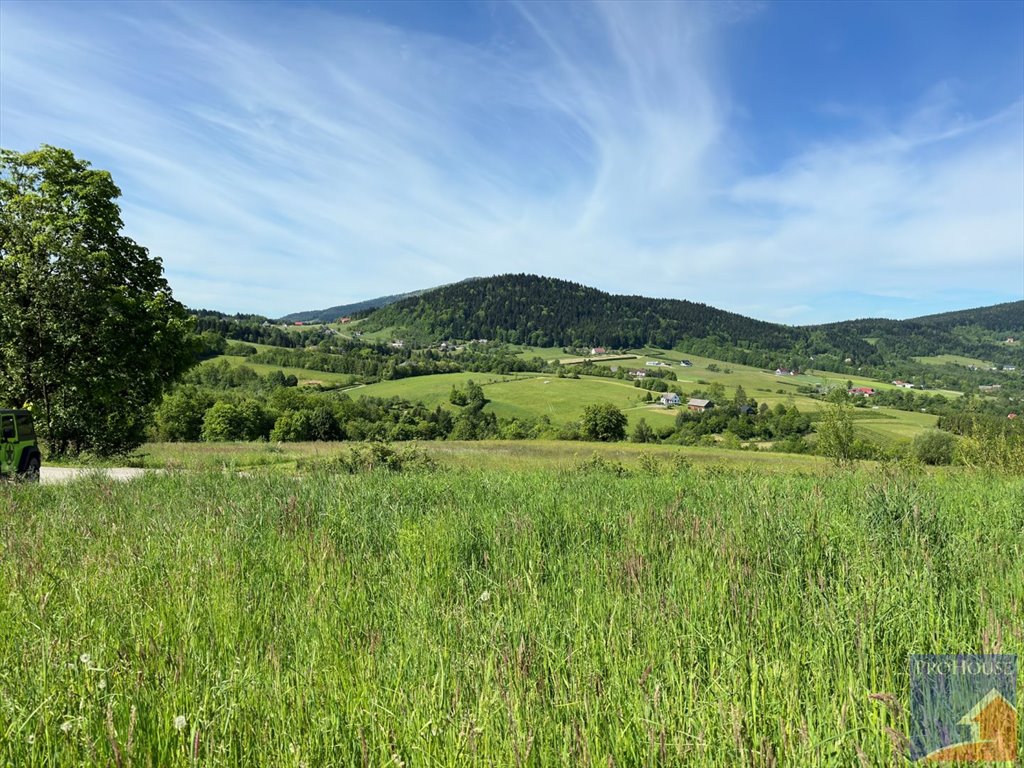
[67, 725]
[85, 658]
[31, 738]
[102, 684]
[180, 722]
[485, 596]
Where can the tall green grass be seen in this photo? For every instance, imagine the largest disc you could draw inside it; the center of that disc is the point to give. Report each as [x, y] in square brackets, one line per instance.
[707, 617]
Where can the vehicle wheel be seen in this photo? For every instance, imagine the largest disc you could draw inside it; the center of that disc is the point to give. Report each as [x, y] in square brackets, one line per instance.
[31, 473]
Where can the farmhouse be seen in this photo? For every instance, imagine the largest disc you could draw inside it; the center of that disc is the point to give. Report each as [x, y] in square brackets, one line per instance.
[686, 364]
[903, 384]
[657, 364]
[1009, 368]
[747, 410]
[597, 351]
[784, 372]
[638, 374]
[344, 320]
[397, 343]
[990, 387]
[862, 391]
[698, 405]
[670, 399]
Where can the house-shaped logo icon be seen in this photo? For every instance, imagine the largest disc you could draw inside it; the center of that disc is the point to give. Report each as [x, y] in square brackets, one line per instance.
[993, 724]
[963, 709]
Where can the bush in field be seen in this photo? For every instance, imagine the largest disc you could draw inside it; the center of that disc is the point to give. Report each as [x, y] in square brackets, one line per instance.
[642, 433]
[180, 415]
[368, 457]
[604, 422]
[835, 433]
[934, 447]
[235, 421]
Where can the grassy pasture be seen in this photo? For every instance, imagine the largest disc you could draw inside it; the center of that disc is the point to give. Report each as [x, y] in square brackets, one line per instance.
[304, 375]
[474, 454]
[954, 360]
[488, 617]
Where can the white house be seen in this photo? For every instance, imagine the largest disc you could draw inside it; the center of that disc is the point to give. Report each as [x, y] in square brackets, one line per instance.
[670, 398]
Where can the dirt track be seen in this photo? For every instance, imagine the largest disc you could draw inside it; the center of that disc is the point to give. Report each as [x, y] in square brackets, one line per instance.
[65, 474]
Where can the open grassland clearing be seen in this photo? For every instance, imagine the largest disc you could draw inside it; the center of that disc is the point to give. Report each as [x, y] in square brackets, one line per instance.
[306, 376]
[954, 360]
[698, 617]
[527, 395]
[481, 454]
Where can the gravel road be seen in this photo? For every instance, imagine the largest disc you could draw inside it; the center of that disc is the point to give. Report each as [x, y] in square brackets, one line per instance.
[65, 474]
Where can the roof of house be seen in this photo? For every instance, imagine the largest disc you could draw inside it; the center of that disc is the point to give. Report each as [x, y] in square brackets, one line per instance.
[698, 403]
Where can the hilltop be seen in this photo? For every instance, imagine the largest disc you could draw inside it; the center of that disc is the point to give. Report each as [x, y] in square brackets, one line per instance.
[545, 312]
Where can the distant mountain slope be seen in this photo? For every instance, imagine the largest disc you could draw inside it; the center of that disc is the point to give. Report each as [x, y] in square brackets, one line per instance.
[331, 314]
[542, 311]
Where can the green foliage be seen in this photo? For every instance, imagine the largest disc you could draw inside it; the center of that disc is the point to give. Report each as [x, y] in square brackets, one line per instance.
[235, 421]
[89, 332]
[934, 447]
[604, 422]
[835, 433]
[382, 616]
[642, 433]
[179, 417]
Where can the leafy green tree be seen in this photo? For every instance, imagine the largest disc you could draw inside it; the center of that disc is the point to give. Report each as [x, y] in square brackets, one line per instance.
[933, 446]
[179, 416]
[603, 421]
[642, 433]
[90, 335]
[458, 396]
[835, 433]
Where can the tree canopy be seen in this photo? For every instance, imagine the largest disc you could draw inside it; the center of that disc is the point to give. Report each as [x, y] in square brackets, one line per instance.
[90, 335]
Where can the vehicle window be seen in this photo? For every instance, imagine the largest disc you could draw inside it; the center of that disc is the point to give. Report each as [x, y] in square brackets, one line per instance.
[6, 422]
[26, 429]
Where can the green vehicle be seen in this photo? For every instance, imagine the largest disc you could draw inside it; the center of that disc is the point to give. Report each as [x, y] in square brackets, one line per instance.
[19, 452]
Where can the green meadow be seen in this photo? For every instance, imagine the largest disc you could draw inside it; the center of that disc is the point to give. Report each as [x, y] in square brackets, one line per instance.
[576, 615]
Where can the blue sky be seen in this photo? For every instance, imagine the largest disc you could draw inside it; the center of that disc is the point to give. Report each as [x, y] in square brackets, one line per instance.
[796, 162]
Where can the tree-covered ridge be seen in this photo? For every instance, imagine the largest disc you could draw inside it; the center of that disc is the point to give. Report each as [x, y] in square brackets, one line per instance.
[544, 311]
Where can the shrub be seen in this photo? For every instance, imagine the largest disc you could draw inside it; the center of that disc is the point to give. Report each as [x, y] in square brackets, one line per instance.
[934, 447]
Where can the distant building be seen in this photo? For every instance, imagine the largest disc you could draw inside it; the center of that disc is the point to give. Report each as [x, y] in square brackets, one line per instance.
[344, 320]
[747, 410]
[397, 343]
[670, 398]
[990, 387]
[638, 374]
[698, 405]
[1011, 415]
[862, 391]
[1009, 368]
[597, 351]
[784, 372]
[903, 384]
[299, 322]
[686, 364]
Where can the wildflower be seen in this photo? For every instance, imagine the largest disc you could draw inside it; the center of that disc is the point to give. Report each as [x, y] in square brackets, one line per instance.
[180, 722]
[67, 725]
[485, 596]
[102, 683]
[31, 738]
[85, 658]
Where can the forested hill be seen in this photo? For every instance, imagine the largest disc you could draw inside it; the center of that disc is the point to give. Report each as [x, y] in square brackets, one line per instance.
[977, 333]
[331, 314]
[543, 311]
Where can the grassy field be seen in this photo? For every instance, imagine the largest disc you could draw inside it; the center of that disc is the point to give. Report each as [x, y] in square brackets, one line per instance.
[305, 376]
[529, 396]
[475, 454]
[486, 617]
[954, 360]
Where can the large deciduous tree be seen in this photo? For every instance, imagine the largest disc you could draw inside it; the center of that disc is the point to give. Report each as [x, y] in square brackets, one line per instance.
[90, 335]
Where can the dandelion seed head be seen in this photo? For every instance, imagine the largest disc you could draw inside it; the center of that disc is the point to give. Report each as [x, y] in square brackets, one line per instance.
[85, 658]
[485, 596]
[180, 722]
[66, 726]
[31, 738]
[102, 684]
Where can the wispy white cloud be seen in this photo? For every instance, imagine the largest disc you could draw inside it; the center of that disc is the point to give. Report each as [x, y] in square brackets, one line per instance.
[299, 157]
